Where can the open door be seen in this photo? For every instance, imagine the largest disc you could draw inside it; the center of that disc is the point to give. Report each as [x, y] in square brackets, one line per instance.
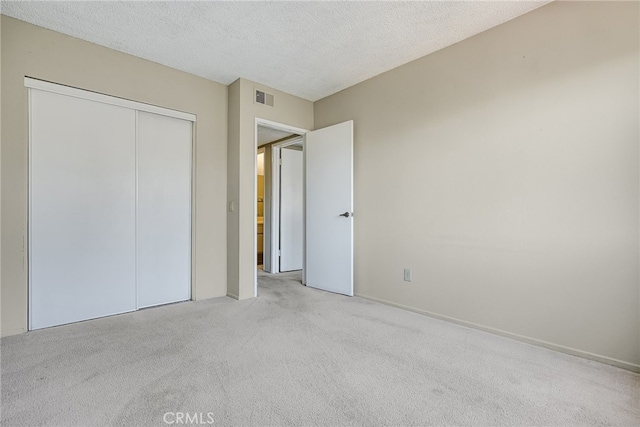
[328, 155]
[291, 209]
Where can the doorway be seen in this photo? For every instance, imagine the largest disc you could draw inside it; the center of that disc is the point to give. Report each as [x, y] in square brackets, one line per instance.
[291, 207]
[260, 207]
[286, 200]
[270, 138]
[327, 198]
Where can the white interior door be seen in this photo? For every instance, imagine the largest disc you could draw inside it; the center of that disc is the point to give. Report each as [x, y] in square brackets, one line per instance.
[328, 154]
[291, 209]
[164, 209]
[82, 209]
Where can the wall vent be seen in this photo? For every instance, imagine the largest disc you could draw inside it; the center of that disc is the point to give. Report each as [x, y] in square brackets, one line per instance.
[264, 98]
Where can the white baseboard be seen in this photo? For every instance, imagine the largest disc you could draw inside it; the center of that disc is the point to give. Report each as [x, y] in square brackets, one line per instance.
[230, 295]
[534, 341]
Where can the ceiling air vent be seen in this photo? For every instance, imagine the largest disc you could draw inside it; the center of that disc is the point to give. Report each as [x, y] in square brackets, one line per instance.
[264, 98]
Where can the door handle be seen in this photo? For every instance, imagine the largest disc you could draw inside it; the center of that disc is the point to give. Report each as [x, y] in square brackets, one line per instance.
[346, 214]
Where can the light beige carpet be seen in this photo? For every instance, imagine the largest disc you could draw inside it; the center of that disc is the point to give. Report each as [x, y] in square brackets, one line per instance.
[299, 356]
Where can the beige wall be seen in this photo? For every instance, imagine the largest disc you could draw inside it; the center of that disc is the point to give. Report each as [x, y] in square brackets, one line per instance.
[241, 181]
[504, 170]
[233, 190]
[32, 51]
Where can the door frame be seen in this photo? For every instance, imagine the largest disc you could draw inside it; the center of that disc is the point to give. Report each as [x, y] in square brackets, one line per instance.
[283, 127]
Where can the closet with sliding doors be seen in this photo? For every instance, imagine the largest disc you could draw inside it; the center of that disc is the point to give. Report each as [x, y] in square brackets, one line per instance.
[109, 205]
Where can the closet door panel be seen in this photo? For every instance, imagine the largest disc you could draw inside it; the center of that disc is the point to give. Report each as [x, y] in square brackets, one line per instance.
[164, 209]
[82, 209]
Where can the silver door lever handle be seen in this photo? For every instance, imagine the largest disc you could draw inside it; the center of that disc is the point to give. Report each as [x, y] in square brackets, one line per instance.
[346, 214]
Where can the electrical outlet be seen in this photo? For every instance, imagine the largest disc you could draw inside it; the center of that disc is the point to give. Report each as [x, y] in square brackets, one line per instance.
[407, 275]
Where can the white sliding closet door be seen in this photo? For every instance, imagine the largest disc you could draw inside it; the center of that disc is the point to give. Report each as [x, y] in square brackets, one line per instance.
[109, 205]
[164, 209]
[82, 209]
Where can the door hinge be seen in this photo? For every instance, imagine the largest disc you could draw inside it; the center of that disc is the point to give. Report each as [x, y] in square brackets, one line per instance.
[279, 252]
[280, 162]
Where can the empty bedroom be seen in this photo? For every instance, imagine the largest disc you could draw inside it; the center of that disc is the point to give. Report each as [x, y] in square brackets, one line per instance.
[442, 227]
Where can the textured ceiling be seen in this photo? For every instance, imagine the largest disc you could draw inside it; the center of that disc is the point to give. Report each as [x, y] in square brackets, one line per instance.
[308, 49]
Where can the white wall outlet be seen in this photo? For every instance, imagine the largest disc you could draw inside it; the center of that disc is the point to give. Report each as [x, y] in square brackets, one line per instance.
[407, 275]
